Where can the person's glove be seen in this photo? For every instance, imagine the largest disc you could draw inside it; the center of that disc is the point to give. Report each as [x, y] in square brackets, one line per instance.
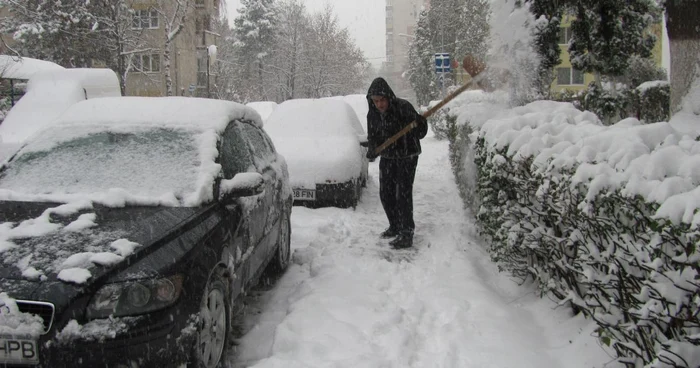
[371, 156]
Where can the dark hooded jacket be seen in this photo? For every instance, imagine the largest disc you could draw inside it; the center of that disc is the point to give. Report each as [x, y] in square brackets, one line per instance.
[399, 114]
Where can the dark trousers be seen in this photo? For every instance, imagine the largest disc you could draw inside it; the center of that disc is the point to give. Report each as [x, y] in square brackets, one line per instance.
[396, 191]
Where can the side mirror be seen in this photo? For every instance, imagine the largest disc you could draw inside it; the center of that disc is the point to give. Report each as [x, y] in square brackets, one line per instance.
[241, 185]
[364, 142]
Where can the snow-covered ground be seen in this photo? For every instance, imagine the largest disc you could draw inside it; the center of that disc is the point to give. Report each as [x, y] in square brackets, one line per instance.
[350, 301]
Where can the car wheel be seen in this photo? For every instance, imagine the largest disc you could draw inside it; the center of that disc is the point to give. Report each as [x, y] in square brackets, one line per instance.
[280, 261]
[214, 321]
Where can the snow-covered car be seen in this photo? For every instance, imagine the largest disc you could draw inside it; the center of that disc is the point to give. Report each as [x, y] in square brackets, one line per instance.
[320, 141]
[49, 93]
[133, 224]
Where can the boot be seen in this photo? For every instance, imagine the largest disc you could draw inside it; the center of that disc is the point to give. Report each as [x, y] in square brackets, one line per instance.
[389, 233]
[402, 241]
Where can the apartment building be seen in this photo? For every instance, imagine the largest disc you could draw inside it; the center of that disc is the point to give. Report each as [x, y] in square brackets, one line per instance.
[401, 21]
[568, 78]
[188, 52]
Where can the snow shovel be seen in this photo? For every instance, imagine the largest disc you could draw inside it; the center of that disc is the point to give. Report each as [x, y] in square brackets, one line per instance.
[473, 67]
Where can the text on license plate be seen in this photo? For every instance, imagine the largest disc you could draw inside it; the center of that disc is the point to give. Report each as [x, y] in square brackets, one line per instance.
[18, 350]
[304, 194]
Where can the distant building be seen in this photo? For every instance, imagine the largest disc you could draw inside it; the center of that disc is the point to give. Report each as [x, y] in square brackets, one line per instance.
[401, 21]
[568, 78]
[188, 54]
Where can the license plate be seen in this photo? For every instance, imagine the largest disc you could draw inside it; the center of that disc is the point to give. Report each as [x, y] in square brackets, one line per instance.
[304, 194]
[18, 351]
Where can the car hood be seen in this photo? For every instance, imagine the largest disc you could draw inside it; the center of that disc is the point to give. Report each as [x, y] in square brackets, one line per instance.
[46, 247]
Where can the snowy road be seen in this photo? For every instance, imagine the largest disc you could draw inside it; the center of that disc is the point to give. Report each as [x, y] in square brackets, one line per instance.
[343, 304]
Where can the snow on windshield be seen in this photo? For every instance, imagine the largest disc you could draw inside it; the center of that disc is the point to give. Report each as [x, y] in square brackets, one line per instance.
[118, 150]
[152, 163]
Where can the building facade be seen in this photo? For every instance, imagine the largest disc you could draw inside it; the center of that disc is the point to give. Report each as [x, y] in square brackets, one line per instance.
[401, 20]
[568, 78]
[189, 57]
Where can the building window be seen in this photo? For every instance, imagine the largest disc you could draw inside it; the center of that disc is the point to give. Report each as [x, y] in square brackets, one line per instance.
[145, 19]
[202, 24]
[569, 76]
[564, 35]
[147, 63]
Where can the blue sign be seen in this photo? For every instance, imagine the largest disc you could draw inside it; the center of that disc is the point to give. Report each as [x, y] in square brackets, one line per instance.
[442, 63]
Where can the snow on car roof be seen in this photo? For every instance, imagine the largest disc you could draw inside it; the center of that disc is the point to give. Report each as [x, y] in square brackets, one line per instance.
[16, 67]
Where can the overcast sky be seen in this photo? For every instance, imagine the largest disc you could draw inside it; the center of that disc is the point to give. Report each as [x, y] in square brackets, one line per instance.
[363, 18]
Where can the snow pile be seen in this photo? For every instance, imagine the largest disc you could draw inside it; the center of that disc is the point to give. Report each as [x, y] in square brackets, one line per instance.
[601, 216]
[15, 323]
[50, 93]
[39, 246]
[14, 67]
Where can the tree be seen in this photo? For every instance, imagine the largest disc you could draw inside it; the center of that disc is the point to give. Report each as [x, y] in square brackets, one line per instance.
[420, 73]
[457, 27]
[547, 15]
[255, 36]
[58, 31]
[293, 27]
[174, 14]
[332, 61]
[607, 33]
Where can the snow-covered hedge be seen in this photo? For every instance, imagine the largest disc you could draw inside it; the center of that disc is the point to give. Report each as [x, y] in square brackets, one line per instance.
[603, 217]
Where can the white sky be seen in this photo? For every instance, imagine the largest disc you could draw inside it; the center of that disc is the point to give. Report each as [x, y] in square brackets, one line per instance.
[363, 18]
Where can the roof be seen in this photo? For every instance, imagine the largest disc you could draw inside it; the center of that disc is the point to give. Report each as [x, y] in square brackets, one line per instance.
[15, 67]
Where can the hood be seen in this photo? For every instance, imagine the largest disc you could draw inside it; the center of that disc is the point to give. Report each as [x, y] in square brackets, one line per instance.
[380, 87]
[46, 245]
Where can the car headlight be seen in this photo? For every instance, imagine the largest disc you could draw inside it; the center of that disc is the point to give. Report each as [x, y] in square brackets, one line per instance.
[134, 297]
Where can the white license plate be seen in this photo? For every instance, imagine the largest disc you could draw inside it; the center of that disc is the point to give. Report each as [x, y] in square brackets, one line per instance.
[304, 194]
[18, 351]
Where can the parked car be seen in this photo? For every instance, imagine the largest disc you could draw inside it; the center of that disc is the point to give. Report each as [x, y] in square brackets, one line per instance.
[49, 93]
[131, 226]
[320, 141]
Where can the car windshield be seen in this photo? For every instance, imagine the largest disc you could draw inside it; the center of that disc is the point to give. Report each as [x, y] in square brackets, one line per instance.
[151, 163]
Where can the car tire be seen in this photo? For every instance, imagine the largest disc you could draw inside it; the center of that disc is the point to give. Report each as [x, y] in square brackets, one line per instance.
[214, 328]
[280, 261]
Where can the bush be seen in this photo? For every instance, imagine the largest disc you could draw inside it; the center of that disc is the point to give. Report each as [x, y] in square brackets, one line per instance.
[605, 254]
[652, 100]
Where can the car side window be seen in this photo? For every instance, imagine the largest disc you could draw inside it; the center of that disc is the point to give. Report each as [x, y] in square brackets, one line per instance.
[234, 156]
[260, 146]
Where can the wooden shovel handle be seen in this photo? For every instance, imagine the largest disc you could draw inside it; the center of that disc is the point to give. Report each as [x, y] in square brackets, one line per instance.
[426, 115]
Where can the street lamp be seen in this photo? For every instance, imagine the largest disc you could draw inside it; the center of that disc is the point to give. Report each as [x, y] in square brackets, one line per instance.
[211, 57]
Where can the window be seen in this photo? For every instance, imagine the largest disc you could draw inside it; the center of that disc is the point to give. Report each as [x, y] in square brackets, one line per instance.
[564, 35]
[262, 151]
[144, 19]
[147, 63]
[569, 76]
[235, 156]
[202, 24]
